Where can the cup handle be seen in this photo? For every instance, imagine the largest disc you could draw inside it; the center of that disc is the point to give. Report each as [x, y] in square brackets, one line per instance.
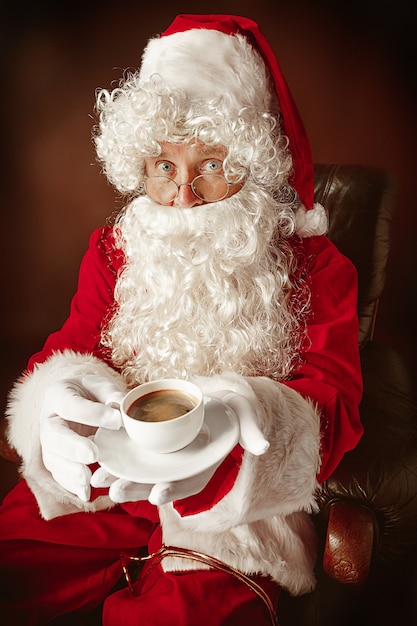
[114, 403]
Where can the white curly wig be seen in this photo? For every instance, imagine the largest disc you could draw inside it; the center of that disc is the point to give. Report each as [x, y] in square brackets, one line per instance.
[220, 94]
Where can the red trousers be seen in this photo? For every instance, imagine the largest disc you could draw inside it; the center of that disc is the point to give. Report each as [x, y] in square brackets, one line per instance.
[72, 563]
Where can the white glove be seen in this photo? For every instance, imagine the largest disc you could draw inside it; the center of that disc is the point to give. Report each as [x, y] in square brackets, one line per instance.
[72, 410]
[251, 439]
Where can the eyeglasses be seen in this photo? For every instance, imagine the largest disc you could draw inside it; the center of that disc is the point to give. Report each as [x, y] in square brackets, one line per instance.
[207, 187]
[185, 553]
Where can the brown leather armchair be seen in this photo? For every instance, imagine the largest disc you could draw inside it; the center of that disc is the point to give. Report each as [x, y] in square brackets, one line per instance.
[367, 523]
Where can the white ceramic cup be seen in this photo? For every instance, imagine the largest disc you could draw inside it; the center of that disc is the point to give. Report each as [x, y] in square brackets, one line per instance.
[167, 435]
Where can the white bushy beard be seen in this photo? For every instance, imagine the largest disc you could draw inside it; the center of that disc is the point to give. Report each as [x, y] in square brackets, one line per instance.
[204, 290]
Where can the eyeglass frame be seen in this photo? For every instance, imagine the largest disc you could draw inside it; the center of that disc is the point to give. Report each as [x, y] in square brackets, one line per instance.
[156, 558]
[179, 185]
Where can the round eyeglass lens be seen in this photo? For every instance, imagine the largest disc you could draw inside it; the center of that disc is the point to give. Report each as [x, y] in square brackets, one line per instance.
[210, 187]
[161, 189]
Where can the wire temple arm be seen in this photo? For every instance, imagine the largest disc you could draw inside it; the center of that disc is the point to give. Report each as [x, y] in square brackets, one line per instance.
[211, 561]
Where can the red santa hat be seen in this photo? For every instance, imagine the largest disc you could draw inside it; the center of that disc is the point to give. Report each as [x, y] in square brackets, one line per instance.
[197, 52]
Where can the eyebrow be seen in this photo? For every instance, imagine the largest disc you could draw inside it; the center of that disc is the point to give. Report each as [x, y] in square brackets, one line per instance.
[204, 148]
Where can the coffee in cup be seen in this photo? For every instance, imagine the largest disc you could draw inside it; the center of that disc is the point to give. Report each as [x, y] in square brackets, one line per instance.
[162, 405]
[164, 415]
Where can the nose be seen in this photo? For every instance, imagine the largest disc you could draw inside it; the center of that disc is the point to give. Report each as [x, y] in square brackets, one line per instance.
[186, 198]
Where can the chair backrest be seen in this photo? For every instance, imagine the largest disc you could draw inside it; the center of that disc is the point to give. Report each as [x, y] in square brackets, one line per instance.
[359, 200]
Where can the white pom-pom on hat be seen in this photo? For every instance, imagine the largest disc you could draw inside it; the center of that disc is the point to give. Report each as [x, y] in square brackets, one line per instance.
[311, 223]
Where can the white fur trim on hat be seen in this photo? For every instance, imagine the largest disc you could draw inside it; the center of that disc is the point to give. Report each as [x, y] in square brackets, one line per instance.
[206, 63]
[311, 223]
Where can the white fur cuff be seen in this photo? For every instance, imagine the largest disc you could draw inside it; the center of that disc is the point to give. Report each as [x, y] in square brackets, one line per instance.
[23, 413]
[262, 525]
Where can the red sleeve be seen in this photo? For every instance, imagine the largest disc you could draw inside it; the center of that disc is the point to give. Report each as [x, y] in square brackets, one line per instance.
[92, 302]
[330, 370]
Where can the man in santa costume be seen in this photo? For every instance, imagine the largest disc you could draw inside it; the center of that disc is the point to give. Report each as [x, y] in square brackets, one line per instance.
[217, 270]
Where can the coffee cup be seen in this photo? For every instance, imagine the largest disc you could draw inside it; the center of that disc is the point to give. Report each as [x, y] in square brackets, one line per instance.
[164, 415]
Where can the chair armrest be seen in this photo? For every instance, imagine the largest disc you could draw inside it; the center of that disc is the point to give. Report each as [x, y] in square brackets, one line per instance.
[349, 542]
[371, 497]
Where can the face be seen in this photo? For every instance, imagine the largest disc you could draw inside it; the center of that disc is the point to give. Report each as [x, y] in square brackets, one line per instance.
[182, 163]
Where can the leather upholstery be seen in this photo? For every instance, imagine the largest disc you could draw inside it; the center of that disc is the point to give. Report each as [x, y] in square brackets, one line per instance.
[359, 201]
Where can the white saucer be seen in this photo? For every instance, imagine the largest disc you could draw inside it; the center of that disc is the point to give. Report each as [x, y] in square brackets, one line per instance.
[120, 456]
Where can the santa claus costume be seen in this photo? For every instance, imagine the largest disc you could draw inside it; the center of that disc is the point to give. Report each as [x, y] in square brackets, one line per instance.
[245, 296]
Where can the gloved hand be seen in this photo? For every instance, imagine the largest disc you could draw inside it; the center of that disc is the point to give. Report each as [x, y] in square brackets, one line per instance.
[72, 410]
[250, 438]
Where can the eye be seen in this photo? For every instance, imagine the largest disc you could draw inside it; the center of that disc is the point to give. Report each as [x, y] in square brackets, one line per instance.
[165, 168]
[212, 165]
